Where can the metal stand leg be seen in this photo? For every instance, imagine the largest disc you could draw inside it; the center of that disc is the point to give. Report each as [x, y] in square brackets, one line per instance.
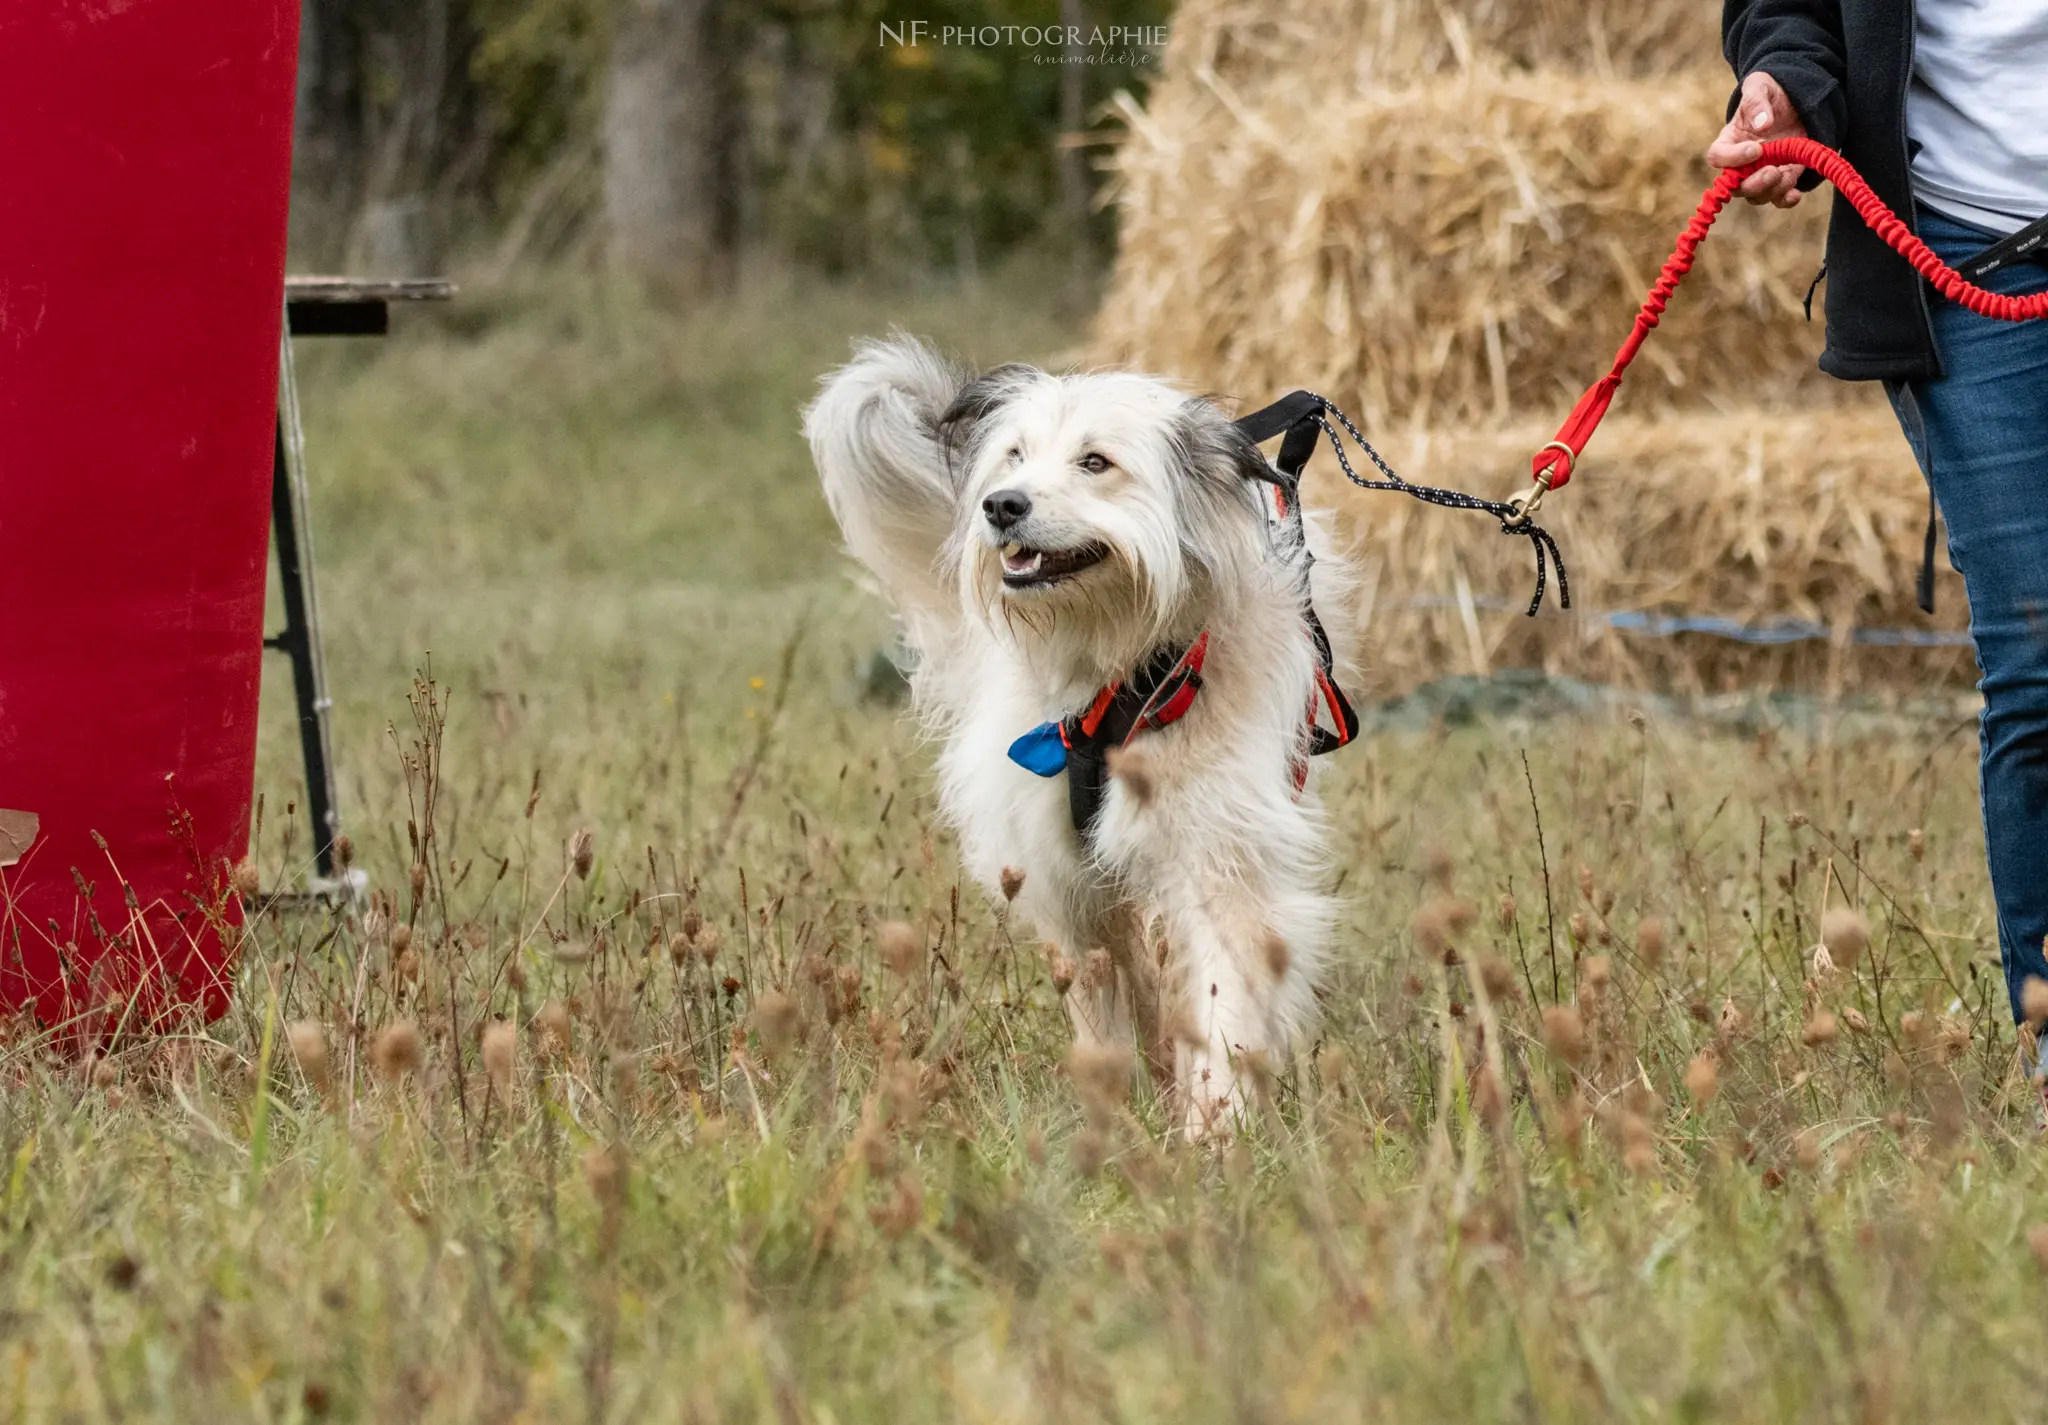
[300, 637]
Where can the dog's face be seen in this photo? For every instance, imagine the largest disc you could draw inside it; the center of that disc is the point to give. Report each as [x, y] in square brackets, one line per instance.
[1093, 498]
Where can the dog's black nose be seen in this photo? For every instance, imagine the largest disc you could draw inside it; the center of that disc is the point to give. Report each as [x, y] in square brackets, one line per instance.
[1005, 507]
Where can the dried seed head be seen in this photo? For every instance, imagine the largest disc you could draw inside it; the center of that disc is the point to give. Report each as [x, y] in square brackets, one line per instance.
[308, 1043]
[515, 974]
[1489, 1101]
[501, 1051]
[1823, 963]
[1853, 1017]
[1846, 934]
[1012, 881]
[604, 1169]
[401, 937]
[396, 1051]
[678, 949]
[1579, 927]
[582, 852]
[1650, 941]
[1638, 1144]
[709, 940]
[419, 882]
[1953, 1037]
[624, 1071]
[2034, 1001]
[1585, 881]
[1332, 1063]
[1916, 843]
[553, 1030]
[1431, 930]
[1604, 903]
[776, 1020]
[1101, 1075]
[1596, 972]
[1819, 1030]
[1439, 923]
[1703, 1077]
[902, 948]
[1918, 1027]
[1062, 973]
[1133, 767]
[1732, 1019]
[1564, 1033]
[1279, 959]
[1097, 971]
[104, 1074]
[692, 923]
[1497, 976]
[1796, 820]
[247, 884]
[1505, 912]
[1806, 1146]
[1569, 1121]
[1437, 866]
[407, 967]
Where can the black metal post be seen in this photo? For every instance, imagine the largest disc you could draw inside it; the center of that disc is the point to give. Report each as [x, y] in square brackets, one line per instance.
[296, 641]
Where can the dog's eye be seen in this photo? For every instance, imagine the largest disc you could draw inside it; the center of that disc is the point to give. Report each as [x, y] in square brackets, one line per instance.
[1016, 454]
[1095, 463]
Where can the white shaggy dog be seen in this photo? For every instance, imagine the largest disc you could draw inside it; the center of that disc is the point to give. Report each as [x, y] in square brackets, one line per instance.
[1043, 538]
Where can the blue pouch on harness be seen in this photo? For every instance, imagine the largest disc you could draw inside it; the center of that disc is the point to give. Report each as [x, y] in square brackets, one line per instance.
[1041, 750]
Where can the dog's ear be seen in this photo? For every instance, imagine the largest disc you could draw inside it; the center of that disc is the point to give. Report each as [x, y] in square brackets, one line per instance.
[974, 403]
[1216, 454]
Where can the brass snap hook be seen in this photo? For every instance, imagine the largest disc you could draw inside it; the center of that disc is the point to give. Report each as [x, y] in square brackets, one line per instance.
[1526, 504]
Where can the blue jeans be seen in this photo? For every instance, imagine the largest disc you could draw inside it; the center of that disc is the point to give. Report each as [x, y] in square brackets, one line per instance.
[1981, 435]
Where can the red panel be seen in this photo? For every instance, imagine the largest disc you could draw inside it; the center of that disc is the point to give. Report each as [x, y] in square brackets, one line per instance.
[144, 171]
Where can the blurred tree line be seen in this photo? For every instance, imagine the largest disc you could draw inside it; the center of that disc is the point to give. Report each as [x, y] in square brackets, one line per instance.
[674, 134]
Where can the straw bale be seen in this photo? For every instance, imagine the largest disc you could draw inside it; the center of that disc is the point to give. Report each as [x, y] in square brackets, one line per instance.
[1754, 516]
[1334, 45]
[1443, 215]
[1466, 247]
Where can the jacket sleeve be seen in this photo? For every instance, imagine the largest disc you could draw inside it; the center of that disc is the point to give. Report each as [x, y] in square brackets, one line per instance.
[1798, 43]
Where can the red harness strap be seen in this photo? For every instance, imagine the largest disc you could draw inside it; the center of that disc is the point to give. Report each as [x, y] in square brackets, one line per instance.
[1552, 465]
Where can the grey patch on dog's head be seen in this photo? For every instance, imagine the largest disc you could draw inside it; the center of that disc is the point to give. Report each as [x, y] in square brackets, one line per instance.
[974, 403]
[1222, 472]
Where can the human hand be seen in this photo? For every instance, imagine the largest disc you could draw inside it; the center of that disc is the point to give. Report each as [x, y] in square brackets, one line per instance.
[1762, 113]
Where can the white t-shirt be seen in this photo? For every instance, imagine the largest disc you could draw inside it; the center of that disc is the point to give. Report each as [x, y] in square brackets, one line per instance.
[1978, 108]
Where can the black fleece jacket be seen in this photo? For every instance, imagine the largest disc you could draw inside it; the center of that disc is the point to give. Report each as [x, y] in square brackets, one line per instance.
[1845, 65]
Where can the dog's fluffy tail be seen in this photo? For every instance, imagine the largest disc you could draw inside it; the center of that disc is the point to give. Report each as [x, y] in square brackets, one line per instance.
[874, 433]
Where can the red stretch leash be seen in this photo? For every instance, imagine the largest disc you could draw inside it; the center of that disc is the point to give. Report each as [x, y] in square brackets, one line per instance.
[1552, 465]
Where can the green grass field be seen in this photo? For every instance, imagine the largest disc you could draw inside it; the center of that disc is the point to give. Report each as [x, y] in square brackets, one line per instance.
[725, 1163]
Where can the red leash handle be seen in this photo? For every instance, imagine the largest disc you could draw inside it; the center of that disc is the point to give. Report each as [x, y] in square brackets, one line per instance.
[1552, 465]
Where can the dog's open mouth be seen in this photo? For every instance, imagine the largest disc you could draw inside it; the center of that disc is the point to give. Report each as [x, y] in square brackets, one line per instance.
[1028, 568]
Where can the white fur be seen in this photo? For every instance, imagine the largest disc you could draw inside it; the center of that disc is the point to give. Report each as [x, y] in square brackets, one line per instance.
[1223, 861]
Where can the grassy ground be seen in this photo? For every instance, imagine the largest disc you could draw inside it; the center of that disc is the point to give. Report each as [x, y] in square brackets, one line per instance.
[726, 1163]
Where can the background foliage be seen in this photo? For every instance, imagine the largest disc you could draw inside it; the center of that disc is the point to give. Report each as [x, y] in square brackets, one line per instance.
[484, 117]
